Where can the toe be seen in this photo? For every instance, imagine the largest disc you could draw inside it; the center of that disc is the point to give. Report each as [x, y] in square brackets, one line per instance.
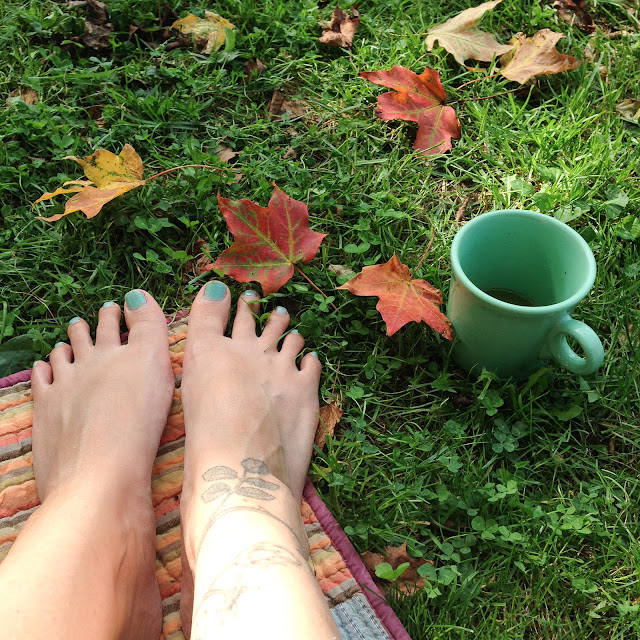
[292, 344]
[209, 314]
[41, 378]
[244, 325]
[79, 337]
[146, 322]
[310, 366]
[60, 357]
[276, 326]
[108, 331]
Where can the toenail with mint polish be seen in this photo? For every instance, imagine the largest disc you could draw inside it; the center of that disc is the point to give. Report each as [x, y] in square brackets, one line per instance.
[74, 320]
[281, 310]
[215, 290]
[33, 366]
[250, 293]
[135, 299]
[295, 331]
[57, 344]
[110, 303]
[315, 354]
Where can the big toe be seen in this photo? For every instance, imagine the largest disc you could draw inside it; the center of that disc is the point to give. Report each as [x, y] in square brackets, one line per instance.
[146, 322]
[209, 312]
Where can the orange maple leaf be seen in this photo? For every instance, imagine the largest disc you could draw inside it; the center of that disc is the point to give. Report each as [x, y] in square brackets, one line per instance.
[418, 98]
[402, 299]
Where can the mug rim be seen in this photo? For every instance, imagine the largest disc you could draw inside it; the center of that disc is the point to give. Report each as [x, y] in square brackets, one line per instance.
[566, 304]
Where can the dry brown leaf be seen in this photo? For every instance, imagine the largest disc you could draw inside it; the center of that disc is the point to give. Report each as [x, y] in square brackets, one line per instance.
[254, 67]
[330, 415]
[460, 37]
[575, 12]
[340, 270]
[96, 36]
[207, 35]
[342, 28]
[629, 109]
[23, 94]
[535, 56]
[225, 153]
[410, 581]
[281, 104]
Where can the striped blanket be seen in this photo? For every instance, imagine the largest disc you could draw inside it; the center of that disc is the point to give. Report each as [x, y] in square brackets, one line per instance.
[355, 602]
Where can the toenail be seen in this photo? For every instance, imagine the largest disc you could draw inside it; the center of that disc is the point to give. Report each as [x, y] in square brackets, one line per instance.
[281, 310]
[74, 320]
[108, 304]
[314, 353]
[33, 366]
[135, 299]
[250, 293]
[215, 290]
[294, 331]
[57, 344]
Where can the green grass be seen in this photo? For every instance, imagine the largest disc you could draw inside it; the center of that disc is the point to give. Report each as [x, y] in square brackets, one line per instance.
[554, 554]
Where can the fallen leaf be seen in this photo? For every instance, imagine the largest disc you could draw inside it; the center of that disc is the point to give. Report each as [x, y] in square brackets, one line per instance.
[109, 176]
[340, 270]
[330, 415]
[402, 299]
[267, 241]
[225, 153]
[575, 12]
[535, 56]
[290, 153]
[418, 98]
[342, 28]
[410, 581]
[207, 35]
[96, 36]
[629, 110]
[280, 104]
[98, 10]
[460, 37]
[23, 94]
[254, 67]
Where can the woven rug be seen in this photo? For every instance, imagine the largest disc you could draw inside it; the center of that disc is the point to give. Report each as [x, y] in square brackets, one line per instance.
[355, 602]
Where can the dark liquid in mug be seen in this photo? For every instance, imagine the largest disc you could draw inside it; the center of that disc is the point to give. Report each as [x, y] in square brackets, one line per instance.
[506, 295]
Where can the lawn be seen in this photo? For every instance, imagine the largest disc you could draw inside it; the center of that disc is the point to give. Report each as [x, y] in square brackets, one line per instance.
[525, 496]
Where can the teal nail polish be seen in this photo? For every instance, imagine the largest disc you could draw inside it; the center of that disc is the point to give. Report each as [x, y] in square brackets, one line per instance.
[315, 353]
[295, 331]
[33, 366]
[135, 299]
[281, 310]
[57, 344]
[74, 320]
[215, 290]
[108, 304]
[250, 293]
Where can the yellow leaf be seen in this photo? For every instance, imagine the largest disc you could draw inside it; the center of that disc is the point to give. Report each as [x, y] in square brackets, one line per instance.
[629, 109]
[106, 169]
[459, 36]
[109, 176]
[535, 56]
[207, 35]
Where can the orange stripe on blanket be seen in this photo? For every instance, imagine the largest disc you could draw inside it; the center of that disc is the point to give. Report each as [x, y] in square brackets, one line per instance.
[14, 438]
[174, 429]
[173, 461]
[18, 498]
[171, 624]
[16, 463]
[15, 403]
[176, 337]
[170, 538]
[15, 422]
[166, 506]
[167, 486]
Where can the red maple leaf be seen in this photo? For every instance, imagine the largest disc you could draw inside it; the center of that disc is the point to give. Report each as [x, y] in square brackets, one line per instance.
[402, 299]
[421, 99]
[268, 241]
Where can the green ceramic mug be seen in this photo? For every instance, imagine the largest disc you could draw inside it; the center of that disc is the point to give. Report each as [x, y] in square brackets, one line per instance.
[517, 275]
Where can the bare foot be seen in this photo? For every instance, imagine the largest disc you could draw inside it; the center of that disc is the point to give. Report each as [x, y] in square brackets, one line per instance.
[99, 413]
[243, 400]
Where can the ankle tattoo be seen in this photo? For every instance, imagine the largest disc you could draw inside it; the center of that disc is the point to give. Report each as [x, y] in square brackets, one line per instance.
[249, 486]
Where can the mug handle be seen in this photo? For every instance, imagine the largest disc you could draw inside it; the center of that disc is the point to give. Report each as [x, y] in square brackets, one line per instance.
[586, 338]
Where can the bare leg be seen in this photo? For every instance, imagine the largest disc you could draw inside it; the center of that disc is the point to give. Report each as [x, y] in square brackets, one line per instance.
[83, 566]
[250, 417]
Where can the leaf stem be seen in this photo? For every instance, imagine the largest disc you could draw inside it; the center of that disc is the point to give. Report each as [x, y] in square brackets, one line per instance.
[466, 84]
[184, 166]
[313, 284]
[424, 255]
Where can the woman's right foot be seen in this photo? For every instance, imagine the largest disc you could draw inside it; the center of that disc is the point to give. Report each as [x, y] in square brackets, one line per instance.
[250, 419]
